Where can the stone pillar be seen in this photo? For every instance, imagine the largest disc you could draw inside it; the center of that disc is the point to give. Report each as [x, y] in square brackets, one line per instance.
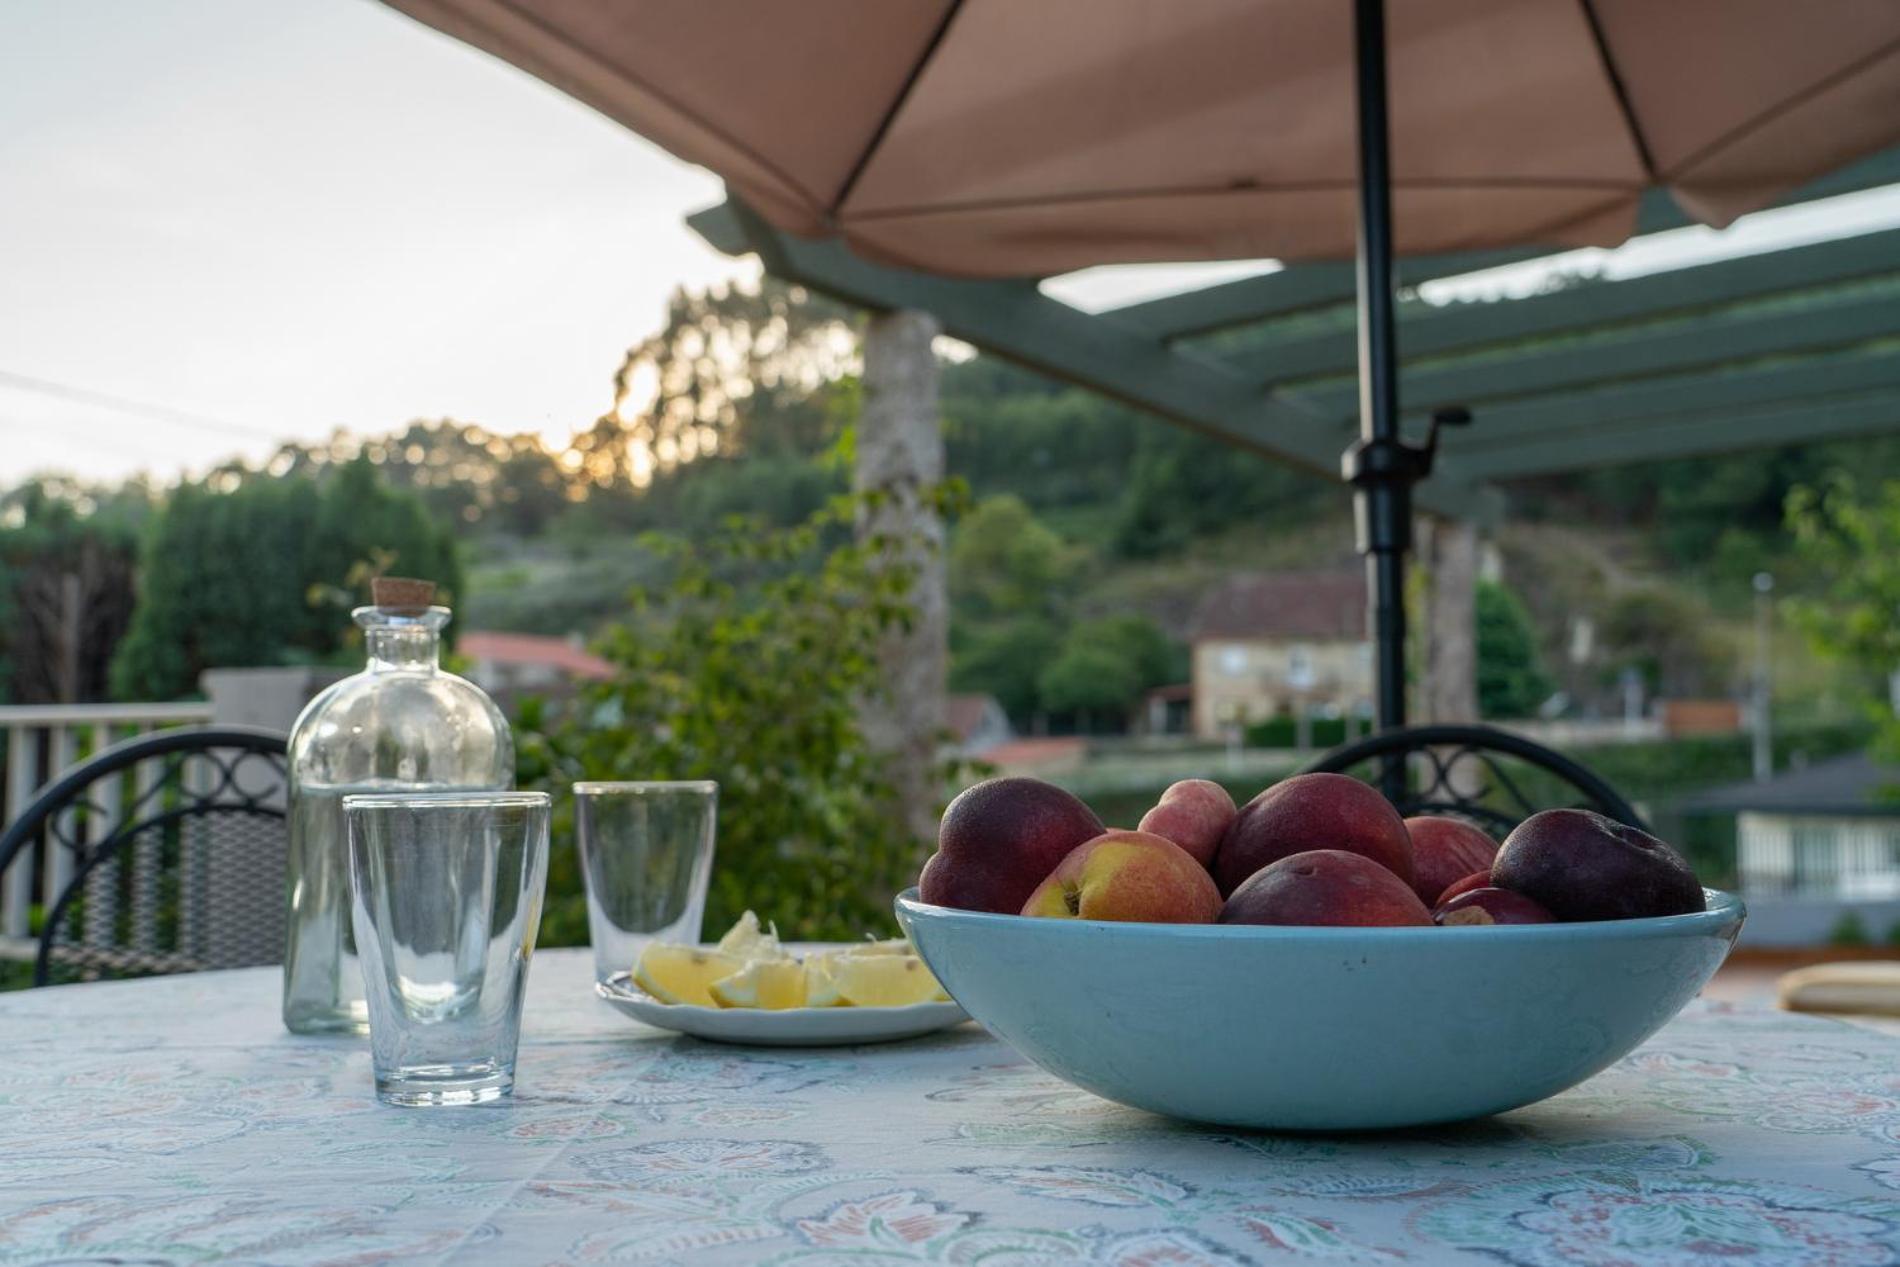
[1449, 683]
[900, 454]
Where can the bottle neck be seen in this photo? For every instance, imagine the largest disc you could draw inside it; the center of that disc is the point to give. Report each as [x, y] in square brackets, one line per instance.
[402, 641]
[408, 649]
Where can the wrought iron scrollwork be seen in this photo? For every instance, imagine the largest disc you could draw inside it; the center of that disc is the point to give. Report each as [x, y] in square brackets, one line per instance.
[1475, 772]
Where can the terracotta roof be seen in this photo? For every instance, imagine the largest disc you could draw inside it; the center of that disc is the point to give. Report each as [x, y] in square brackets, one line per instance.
[537, 649]
[1318, 605]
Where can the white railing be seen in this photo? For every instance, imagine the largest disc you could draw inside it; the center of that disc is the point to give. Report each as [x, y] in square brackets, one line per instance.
[43, 742]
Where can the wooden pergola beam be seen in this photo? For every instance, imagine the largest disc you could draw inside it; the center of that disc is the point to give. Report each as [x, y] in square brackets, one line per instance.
[1640, 353]
[1301, 287]
[1720, 432]
[1586, 417]
[1468, 327]
[1017, 322]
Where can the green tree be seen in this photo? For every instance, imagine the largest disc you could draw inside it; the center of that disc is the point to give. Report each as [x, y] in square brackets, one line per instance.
[1511, 678]
[1103, 667]
[746, 665]
[262, 572]
[1004, 658]
[1852, 540]
[1005, 562]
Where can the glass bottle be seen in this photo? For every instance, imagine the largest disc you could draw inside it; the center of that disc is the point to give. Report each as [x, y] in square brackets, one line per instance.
[401, 724]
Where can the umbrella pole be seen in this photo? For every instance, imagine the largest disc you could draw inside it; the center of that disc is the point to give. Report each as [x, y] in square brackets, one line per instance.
[1381, 468]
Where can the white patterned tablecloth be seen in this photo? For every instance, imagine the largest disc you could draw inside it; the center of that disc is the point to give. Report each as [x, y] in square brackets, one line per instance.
[173, 1121]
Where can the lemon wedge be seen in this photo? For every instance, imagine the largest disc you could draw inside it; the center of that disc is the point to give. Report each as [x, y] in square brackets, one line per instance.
[746, 940]
[683, 974]
[821, 988]
[884, 980]
[763, 983]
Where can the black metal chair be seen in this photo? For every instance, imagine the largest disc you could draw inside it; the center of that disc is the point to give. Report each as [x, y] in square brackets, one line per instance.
[1490, 776]
[172, 850]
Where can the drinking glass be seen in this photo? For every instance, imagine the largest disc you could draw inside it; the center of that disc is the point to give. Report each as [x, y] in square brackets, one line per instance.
[446, 898]
[646, 855]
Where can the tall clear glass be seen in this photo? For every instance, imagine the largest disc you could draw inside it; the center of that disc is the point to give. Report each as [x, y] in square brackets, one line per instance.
[447, 890]
[646, 856]
[400, 725]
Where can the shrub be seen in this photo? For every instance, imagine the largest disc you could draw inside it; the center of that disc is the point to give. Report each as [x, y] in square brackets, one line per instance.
[745, 664]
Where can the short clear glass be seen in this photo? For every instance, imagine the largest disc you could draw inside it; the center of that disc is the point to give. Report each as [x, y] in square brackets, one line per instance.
[646, 855]
[447, 890]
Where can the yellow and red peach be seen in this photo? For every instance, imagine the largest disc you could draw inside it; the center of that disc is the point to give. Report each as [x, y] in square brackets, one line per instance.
[1130, 876]
[1194, 814]
[999, 839]
[1325, 886]
[1313, 812]
[1444, 851]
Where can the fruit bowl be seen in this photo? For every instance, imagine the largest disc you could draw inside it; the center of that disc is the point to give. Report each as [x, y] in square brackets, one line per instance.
[1323, 1028]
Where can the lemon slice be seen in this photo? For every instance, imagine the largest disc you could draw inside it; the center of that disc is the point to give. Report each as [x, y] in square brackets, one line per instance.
[821, 987]
[683, 974]
[884, 980]
[746, 940]
[763, 983]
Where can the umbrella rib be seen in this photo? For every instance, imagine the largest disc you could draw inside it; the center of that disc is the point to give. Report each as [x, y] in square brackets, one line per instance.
[896, 106]
[1620, 89]
[1784, 106]
[1176, 191]
[559, 36]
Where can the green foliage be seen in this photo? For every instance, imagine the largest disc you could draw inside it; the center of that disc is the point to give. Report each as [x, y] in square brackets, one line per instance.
[745, 664]
[1004, 562]
[1666, 635]
[1088, 679]
[1849, 930]
[1511, 677]
[228, 575]
[1852, 539]
[1004, 658]
[1283, 731]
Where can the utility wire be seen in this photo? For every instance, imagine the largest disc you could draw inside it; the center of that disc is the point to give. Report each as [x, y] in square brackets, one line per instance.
[124, 404]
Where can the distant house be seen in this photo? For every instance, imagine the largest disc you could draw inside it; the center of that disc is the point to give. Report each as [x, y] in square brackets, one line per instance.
[977, 724]
[528, 664]
[1826, 831]
[1268, 643]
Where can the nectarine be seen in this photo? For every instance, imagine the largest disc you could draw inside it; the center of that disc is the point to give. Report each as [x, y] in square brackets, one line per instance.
[1444, 851]
[1308, 812]
[999, 839]
[1325, 886]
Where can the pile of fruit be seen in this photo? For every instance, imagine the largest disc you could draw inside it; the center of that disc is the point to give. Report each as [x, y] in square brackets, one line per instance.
[1312, 849]
[749, 968]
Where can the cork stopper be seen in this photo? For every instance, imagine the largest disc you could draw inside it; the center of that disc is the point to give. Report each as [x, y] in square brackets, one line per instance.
[402, 595]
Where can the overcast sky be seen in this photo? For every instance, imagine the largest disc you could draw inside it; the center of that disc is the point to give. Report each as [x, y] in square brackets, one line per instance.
[256, 220]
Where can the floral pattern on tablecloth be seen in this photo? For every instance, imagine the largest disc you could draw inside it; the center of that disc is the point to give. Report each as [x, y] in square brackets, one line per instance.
[173, 1122]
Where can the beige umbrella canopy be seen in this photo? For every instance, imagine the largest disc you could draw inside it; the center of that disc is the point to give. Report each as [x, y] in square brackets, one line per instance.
[1031, 137]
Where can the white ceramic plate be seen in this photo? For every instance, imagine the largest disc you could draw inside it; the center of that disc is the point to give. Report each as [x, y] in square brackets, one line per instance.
[787, 1027]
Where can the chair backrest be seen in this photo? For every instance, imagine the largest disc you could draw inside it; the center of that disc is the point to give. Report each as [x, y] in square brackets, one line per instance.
[1490, 776]
[175, 847]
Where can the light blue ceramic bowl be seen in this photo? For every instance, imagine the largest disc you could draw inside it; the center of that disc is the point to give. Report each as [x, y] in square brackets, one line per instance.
[1321, 1028]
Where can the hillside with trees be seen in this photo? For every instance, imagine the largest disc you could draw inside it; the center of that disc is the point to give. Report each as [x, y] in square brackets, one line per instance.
[1091, 531]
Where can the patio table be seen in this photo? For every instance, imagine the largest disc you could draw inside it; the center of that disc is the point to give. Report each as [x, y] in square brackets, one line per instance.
[174, 1121]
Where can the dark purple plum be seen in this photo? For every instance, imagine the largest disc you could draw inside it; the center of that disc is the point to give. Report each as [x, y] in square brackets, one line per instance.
[1582, 866]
